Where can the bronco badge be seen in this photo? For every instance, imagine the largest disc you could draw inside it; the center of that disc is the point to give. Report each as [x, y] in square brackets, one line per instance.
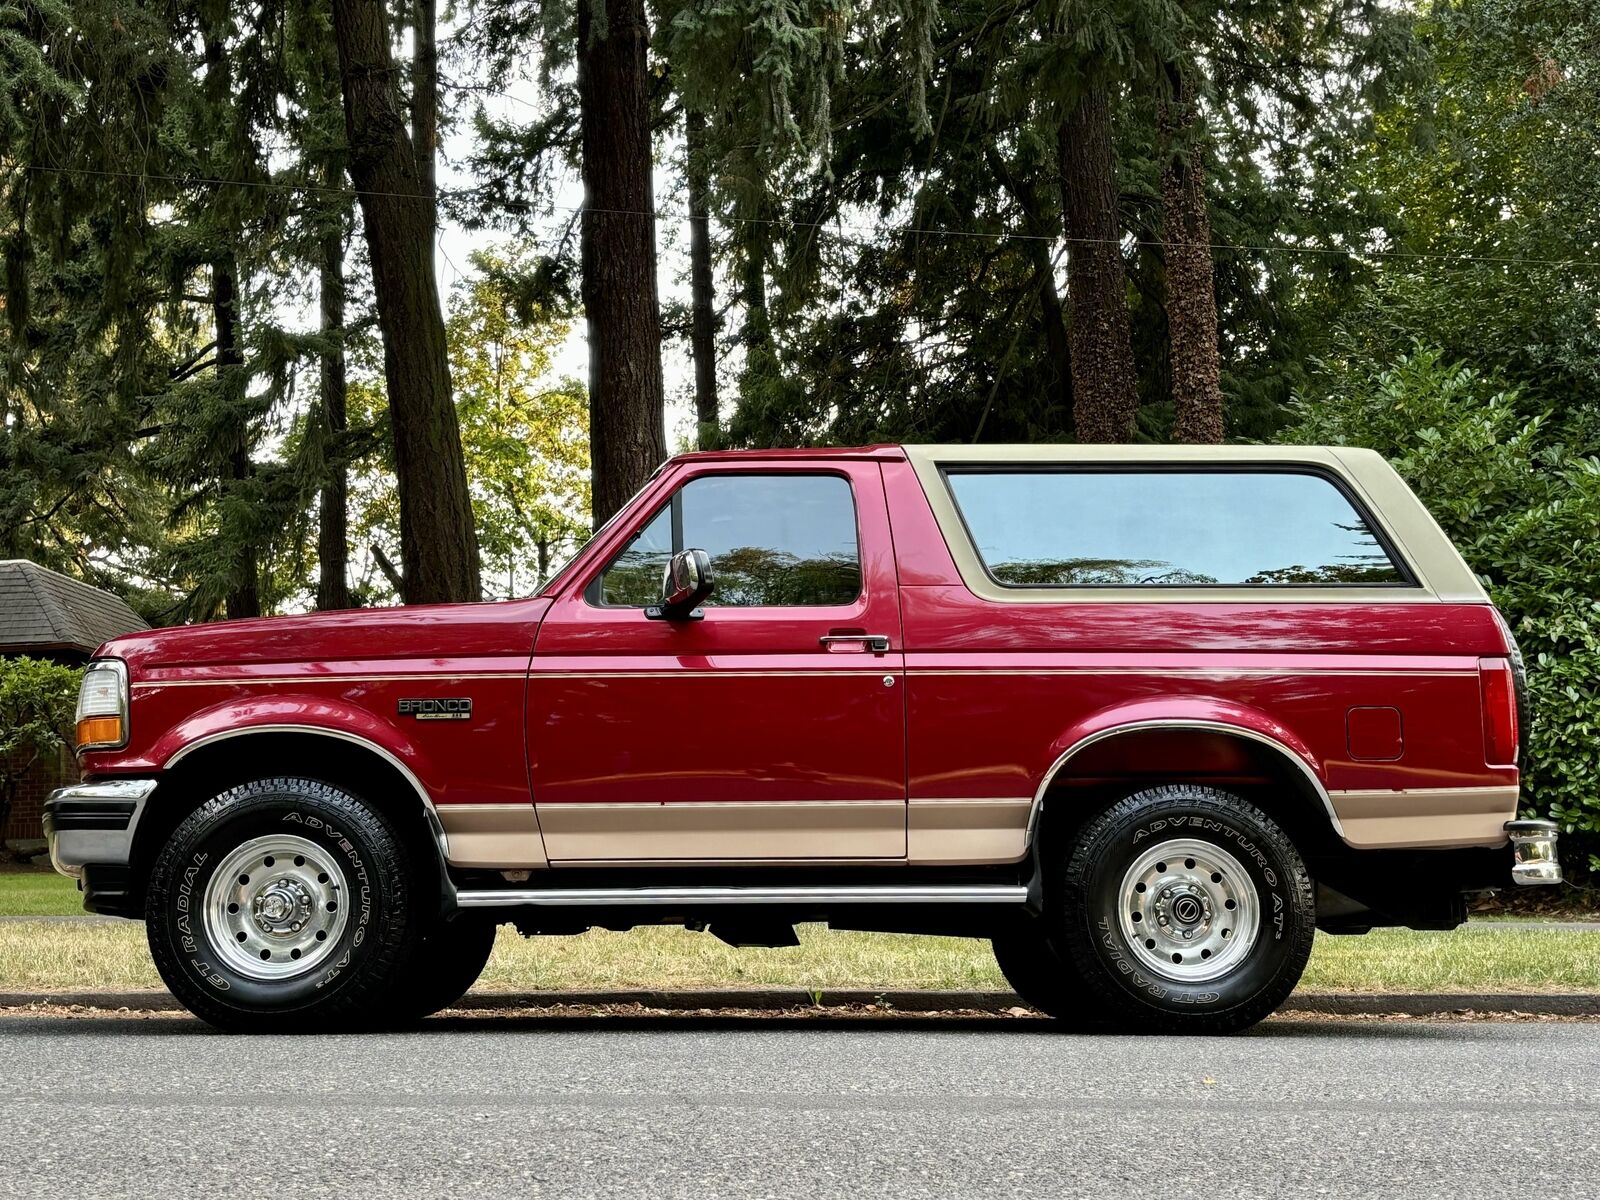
[447, 709]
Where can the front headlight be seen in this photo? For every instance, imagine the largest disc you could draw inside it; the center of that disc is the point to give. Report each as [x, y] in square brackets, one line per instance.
[103, 706]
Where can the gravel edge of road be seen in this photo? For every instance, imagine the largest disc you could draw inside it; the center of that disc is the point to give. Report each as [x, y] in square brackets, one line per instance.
[1557, 1004]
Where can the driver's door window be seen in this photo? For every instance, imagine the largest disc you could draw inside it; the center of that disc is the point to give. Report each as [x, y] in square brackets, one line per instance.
[774, 540]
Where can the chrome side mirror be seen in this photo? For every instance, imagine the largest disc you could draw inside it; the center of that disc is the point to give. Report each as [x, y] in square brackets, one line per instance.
[686, 582]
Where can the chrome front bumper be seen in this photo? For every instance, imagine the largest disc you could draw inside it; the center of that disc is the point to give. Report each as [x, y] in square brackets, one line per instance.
[1533, 852]
[94, 823]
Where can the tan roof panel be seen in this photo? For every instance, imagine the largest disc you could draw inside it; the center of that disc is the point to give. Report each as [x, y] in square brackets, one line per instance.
[1433, 560]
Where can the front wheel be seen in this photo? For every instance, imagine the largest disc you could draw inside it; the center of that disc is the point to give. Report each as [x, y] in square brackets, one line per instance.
[282, 904]
[1184, 909]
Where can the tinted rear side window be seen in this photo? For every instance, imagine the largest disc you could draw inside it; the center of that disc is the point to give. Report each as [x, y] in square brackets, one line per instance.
[1172, 528]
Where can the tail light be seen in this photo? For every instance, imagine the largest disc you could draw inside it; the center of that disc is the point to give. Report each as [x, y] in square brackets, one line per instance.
[1499, 687]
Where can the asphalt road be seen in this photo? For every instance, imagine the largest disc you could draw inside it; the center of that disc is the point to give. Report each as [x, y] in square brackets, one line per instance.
[492, 1107]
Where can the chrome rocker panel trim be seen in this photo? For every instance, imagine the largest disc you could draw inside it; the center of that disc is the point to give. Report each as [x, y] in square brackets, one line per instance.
[696, 897]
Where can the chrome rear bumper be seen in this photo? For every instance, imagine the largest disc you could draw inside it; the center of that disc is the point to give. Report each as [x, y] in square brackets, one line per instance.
[1533, 852]
[94, 823]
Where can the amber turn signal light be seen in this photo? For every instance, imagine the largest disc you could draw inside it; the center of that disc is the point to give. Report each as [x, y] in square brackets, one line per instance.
[94, 731]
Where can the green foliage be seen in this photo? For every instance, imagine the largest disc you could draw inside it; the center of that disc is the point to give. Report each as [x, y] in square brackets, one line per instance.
[525, 435]
[1519, 494]
[37, 702]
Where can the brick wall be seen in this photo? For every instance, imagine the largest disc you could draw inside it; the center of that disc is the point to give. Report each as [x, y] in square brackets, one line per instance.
[44, 777]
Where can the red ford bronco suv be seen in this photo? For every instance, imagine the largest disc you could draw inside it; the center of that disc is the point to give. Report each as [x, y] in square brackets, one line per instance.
[1146, 717]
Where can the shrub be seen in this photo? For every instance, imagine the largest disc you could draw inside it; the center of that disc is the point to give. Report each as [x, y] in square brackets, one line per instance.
[1517, 495]
[37, 702]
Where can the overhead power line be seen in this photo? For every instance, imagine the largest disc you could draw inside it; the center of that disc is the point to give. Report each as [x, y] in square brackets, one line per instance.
[827, 229]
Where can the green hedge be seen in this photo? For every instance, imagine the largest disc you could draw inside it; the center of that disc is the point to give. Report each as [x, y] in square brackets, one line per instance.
[1517, 495]
[37, 703]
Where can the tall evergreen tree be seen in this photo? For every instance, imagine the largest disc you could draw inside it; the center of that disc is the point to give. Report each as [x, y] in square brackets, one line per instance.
[1191, 302]
[439, 546]
[620, 300]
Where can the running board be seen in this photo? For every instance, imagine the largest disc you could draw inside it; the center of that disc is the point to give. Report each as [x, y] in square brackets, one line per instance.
[697, 897]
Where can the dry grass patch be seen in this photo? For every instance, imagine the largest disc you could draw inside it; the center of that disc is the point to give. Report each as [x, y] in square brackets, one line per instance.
[63, 956]
[668, 957]
[85, 957]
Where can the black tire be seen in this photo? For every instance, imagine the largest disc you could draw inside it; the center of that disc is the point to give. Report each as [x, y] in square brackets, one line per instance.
[357, 957]
[444, 966]
[1039, 974]
[1131, 985]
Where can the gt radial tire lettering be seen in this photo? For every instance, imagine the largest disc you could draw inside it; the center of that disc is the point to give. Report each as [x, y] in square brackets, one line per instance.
[1135, 976]
[204, 970]
[182, 903]
[352, 986]
[358, 872]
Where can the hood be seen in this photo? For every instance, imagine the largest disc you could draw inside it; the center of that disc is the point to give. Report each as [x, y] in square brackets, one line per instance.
[363, 634]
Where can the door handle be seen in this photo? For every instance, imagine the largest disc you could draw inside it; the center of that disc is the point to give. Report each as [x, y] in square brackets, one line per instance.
[878, 643]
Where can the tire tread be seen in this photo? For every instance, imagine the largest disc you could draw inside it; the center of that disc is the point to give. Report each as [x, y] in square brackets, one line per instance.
[359, 1000]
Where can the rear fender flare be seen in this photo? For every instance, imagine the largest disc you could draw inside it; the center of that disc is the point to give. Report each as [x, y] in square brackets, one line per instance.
[1198, 713]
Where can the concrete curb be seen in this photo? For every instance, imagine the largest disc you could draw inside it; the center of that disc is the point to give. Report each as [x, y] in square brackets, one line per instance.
[1344, 1004]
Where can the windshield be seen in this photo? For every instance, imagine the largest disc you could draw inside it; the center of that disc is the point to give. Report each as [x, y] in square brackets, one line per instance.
[566, 563]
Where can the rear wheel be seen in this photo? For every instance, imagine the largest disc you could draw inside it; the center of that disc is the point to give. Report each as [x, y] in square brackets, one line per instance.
[1183, 909]
[281, 904]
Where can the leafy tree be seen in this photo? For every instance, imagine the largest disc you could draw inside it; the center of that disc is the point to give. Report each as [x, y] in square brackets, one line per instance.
[1484, 165]
[439, 543]
[37, 701]
[525, 433]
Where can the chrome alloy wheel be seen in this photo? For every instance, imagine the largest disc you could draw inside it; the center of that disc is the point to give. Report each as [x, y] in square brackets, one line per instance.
[1188, 910]
[275, 907]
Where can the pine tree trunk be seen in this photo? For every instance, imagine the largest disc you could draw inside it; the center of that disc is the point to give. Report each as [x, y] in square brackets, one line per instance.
[1053, 321]
[425, 99]
[626, 436]
[1052, 315]
[1191, 285]
[703, 334]
[1104, 388]
[244, 597]
[333, 525]
[438, 541]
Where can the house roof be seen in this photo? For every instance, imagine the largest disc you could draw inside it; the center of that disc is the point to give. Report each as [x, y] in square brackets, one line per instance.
[42, 609]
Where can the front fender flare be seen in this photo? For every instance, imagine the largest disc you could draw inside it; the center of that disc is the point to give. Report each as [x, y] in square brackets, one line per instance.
[312, 715]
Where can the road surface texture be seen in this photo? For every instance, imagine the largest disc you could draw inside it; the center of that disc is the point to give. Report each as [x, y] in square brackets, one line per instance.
[531, 1107]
